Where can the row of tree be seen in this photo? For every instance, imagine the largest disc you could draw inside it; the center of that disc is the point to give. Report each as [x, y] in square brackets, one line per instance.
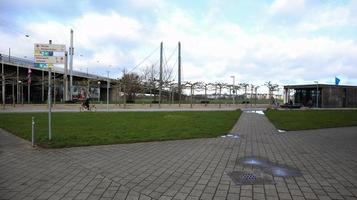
[133, 84]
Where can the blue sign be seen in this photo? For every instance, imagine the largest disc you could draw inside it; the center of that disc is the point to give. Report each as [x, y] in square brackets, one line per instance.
[40, 65]
[337, 81]
[46, 53]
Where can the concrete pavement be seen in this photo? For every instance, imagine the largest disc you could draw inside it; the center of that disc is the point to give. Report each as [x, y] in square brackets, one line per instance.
[185, 169]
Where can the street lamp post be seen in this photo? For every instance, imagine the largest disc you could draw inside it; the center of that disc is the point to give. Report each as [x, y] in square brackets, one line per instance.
[233, 89]
[317, 94]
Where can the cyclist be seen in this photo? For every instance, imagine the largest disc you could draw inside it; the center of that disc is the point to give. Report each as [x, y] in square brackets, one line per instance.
[86, 103]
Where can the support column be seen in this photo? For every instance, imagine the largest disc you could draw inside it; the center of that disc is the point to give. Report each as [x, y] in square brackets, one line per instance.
[108, 85]
[43, 86]
[286, 95]
[13, 92]
[88, 87]
[17, 85]
[29, 86]
[3, 82]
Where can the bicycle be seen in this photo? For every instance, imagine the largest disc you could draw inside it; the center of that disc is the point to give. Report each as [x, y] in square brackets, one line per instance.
[91, 107]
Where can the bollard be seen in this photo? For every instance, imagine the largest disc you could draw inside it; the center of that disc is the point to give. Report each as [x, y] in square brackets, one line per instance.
[33, 132]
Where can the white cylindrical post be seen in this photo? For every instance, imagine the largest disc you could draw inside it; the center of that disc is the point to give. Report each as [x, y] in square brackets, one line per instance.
[33, 132]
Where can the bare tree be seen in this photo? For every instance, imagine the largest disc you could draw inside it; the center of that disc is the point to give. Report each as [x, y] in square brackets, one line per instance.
[271, 87]
[132, 85]
[150, 78]
[192, 88]
[220, 86]
[244, 85]
[205, 87]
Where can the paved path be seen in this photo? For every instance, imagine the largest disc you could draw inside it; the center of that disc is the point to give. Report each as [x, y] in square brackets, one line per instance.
[186, 169]
[129, 107]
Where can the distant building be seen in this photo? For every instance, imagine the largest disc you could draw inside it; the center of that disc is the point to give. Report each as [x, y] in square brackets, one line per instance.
[328, 96]
[26, 82]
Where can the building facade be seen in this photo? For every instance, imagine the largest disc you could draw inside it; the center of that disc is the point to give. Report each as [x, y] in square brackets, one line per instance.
[22, 82]
[322, 95]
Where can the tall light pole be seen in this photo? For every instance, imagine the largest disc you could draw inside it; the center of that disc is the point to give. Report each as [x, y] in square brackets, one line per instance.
[65, 77]
[71, 53]
[160, 85]
[179, 73]
[317, 93]
[233, 89]
[29, 74]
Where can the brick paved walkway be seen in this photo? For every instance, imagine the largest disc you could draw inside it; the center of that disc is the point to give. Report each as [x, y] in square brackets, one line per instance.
[186, 169]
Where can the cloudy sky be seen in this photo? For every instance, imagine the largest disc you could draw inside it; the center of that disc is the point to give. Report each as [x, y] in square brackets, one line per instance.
[283, 41]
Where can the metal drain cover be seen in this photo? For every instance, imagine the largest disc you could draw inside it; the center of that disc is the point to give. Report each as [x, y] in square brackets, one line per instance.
[246, 178]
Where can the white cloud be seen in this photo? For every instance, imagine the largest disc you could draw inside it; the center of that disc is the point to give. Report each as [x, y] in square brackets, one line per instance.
[326, 18]
[305, 16]
[148, 3]
[224, 49]
[210, 51]
[286, 7]
[94, 28]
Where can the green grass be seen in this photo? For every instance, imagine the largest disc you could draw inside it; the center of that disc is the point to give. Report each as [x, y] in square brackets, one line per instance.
[98, 128]
[311, 119]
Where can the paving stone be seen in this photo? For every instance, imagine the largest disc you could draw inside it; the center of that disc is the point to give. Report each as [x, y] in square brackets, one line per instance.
[185, 169]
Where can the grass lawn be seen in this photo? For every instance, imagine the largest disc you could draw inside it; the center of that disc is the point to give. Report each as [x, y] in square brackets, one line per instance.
[311, 119]
[97, 128]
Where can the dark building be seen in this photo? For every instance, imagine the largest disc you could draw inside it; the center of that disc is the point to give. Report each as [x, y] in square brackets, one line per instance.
[326, 96]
